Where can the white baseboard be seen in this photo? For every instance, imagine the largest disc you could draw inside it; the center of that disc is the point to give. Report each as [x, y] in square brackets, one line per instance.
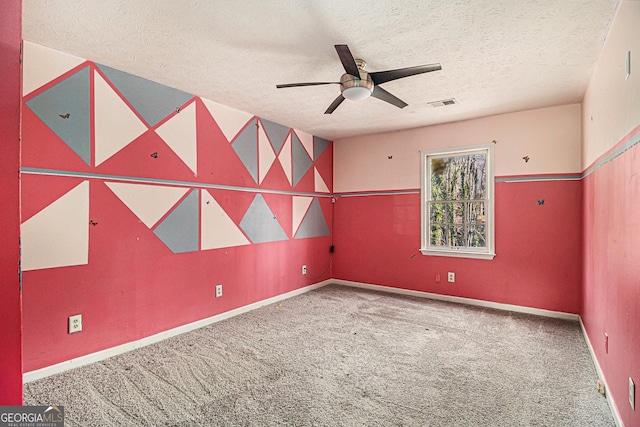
[114, 351]
[461, 300]
[612, 403]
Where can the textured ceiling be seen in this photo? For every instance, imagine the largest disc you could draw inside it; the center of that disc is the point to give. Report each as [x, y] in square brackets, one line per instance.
[497, 56]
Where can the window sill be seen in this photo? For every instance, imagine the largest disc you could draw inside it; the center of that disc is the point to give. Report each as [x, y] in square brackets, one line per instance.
[458, 254]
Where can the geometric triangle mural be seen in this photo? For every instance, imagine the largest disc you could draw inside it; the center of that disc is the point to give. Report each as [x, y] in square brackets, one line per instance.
[179, 132]
[116, 122]
[314, 223]
[148, 202]
[246, 147]
[229, 121]
[110, 110]
[151, 100]
[260, 224]
[320, 185]
[58, 235]
[301, 160]
[179, 230]
[64, 108]
[42, 65]
[306, 140]
[284, 157]
[276, 132]
[319, 145]
[218, 230]
[300, 207]
[266, 155]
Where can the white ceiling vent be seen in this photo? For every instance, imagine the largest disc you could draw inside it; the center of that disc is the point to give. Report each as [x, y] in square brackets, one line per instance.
[443, 102]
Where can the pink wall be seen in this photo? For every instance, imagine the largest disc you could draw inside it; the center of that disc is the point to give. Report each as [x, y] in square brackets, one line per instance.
[133, 225]
[538, 262]
[550, 137]
[611, 289]
[10, 298]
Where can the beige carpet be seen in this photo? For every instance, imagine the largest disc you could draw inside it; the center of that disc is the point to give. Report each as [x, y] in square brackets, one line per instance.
[342, 356]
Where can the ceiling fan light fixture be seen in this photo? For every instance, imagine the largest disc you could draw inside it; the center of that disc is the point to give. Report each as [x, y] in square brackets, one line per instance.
[354, 88]
[356, 93]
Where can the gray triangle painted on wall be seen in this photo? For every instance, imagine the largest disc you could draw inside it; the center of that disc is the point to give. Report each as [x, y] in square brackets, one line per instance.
[260, 224]
[319, 145]
[314, 224]
[300, 159]
[151, 100]
[246, 147]
[179, 230]
[276, 133]
[65, 109]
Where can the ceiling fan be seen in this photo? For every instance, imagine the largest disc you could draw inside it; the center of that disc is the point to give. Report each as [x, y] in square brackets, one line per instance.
[357, 84]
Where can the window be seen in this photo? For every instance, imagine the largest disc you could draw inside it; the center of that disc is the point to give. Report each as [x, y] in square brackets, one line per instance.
[457, 202]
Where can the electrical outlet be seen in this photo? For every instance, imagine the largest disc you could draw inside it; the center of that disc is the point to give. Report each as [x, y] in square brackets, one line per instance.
[219, 290]
[304, 269]
[437, 278]
[75, 323]
[451, 277]
[632, 394]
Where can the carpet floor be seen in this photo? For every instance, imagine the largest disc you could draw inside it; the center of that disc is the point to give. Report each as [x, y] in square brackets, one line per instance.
[341, 356]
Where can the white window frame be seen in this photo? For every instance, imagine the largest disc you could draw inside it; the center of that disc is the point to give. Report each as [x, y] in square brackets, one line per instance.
[487, 252]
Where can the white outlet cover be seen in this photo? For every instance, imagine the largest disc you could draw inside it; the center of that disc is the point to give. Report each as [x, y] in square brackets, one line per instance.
[218, 291]
[75, 323]
[451, 277]
[632, 394]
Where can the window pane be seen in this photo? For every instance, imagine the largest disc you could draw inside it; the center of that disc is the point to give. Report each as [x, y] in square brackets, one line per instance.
[458, 213]
[458, 236]
[477, 237]
[477, 213]
[438, 235]
[440, 212]
[460, 177]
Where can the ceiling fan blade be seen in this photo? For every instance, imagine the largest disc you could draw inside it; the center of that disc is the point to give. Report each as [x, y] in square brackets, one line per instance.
[348, 62]
[380, 77]
[382, 94]
[334, 104]
[306, 84]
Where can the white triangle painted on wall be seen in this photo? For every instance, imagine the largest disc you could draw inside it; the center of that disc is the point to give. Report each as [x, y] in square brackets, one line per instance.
[229, 120]
[285, 158]
[307, 141]
[116, 125]
[42, 64]
[320, 185]
[179, 132]
[58, 235]
[265, 154]
[148, 202]
[218, 230]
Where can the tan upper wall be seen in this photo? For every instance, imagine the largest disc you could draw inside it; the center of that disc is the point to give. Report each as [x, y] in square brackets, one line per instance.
[550, 137]
[611, 105]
